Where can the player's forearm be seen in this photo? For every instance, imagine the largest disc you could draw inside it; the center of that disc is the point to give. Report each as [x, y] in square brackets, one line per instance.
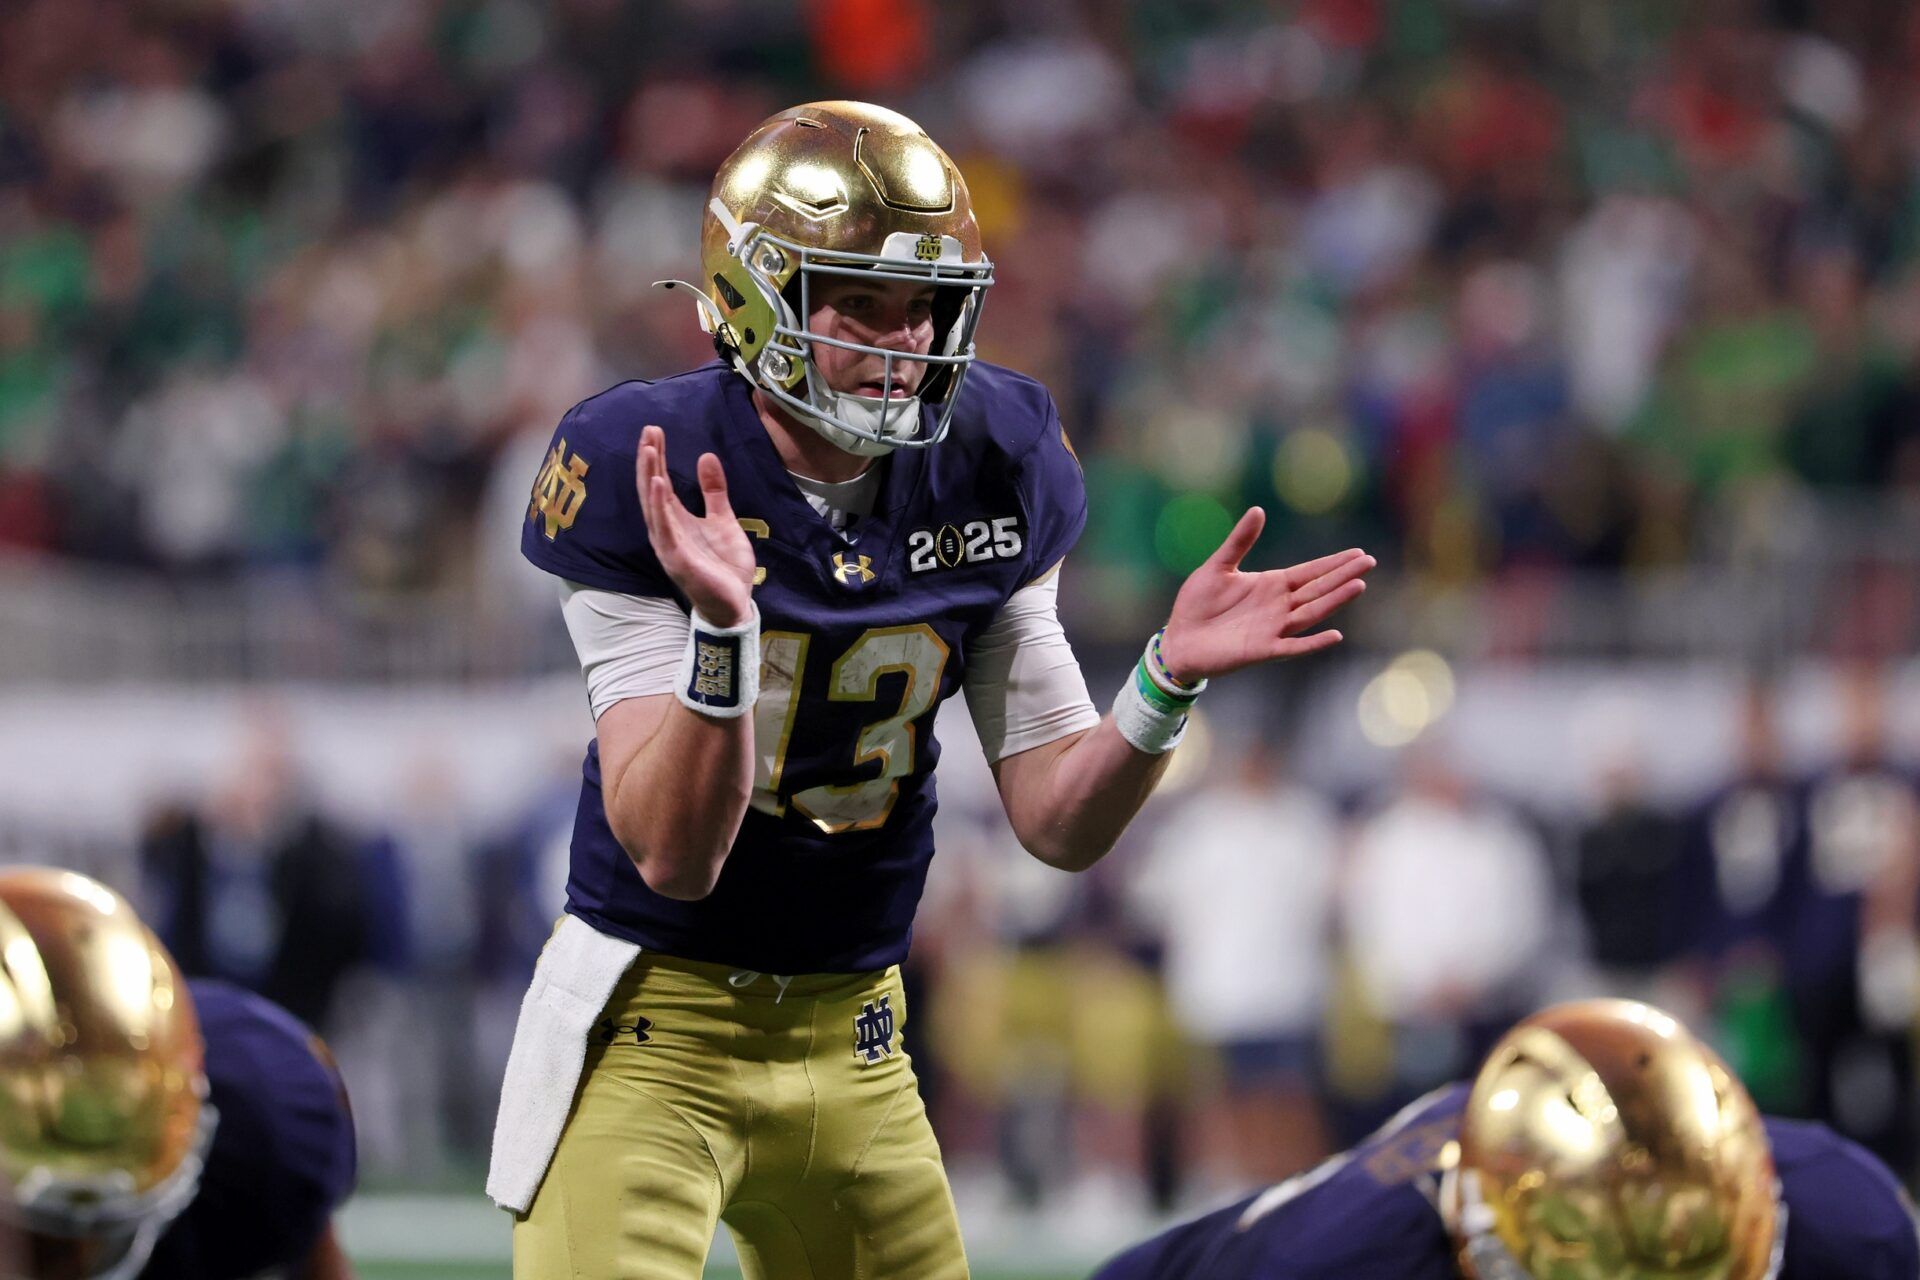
[1072, 799]
[678, 804]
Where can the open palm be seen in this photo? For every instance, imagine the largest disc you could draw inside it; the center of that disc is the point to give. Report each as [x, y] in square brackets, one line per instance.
[1225, 619]
[708, 556]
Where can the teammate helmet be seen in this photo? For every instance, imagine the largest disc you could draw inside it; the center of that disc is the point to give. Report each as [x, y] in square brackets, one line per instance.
[104, 1123]
[840, 189]
[1603, 1142]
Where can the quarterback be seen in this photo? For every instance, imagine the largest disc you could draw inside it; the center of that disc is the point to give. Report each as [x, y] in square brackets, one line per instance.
[1600, 1141]
[153, 1127]
[774, 568]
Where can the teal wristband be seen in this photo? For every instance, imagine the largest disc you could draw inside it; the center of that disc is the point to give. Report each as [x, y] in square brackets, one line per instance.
[1156, 697]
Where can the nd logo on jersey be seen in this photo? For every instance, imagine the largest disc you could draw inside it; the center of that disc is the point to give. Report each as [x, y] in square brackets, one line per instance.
[559, 490]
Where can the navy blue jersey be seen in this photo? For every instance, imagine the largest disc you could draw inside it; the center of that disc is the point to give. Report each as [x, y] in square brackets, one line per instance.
[863, 634]
[283, 1153]
[1372, 1213]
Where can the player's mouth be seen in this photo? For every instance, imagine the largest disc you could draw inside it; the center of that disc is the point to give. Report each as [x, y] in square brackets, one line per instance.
[885, 389]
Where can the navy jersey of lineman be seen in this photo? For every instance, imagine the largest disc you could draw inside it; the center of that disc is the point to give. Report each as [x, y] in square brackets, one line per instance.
[863, 634]
[1372, 1214]
[283, 1153]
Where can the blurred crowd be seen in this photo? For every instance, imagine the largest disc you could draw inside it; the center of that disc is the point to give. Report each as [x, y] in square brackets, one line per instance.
[1261, 973]
[1497, 284]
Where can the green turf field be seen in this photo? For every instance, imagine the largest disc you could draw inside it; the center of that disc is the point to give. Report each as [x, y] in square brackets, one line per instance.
[398, 1236]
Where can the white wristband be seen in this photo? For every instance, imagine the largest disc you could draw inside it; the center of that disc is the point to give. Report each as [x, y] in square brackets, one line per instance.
[1146, 727]
[720, 671]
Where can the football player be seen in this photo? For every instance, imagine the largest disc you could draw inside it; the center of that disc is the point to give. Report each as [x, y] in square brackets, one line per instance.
[1600, 1141]
[775, 567]
[150, 1126]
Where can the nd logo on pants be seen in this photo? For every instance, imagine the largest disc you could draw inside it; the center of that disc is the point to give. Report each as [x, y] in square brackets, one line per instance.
[791, 1115]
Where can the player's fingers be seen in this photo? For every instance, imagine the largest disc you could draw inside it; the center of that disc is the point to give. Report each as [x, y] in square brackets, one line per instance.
[713, 485]
[1301, 574]
[664, 527]
[643, 480]
[653, 483]
[1315, 612]
[650, 460]
[1339, 576]
[1299, 646]
[1240, 541]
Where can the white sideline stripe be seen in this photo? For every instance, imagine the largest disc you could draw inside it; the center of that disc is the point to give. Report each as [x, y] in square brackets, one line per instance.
[397, 1227]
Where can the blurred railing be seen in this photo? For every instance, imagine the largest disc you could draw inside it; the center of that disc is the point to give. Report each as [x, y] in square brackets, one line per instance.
[1840, 580]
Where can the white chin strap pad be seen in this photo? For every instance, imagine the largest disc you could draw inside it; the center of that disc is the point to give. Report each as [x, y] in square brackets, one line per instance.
[901, 416]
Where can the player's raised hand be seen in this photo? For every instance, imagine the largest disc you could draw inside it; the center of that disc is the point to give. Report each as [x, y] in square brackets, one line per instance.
[1224, 619]
[708, 557]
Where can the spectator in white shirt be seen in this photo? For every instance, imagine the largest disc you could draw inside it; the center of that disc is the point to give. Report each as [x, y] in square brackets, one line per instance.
[1239, 886]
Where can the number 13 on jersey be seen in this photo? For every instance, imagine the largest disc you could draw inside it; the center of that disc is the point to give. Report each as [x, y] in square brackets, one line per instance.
[915, 651]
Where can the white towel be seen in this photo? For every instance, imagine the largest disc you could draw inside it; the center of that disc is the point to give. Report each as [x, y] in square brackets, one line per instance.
[577, 972]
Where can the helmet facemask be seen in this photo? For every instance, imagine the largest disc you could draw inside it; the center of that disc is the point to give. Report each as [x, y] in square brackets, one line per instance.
[784, 273]
[106, 1209]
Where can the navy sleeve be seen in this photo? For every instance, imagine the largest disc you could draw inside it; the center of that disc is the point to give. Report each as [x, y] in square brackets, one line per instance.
[1054, 494]
[1846, 1213]
[283, 1154]
[583, 519]
[1179, 1253]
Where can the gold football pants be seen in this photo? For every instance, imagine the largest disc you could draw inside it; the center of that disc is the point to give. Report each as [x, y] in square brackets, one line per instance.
[705, 1100]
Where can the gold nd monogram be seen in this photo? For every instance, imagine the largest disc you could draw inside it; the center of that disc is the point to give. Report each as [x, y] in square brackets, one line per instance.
[927, 248]
[559, 491]
[843, 568]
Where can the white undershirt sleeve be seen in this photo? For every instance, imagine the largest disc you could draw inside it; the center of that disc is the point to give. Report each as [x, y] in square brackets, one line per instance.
[1024, 687]
[629, 646]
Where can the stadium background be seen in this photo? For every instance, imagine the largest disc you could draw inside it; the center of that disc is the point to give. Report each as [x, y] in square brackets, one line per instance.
[1597, 321]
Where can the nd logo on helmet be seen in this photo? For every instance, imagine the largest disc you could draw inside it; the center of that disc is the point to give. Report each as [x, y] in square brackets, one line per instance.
[927, 248]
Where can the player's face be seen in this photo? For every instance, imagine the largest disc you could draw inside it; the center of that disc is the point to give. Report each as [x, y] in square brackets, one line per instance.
[896, 315]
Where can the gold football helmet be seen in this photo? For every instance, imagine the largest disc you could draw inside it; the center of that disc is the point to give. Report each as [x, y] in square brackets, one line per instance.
[1602, 1141]
[840, 189]
[104, 1123]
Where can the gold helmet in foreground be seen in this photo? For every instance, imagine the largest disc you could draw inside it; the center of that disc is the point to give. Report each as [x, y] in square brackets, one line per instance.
[840, 189]
[1602, 1141]
[103, 1120]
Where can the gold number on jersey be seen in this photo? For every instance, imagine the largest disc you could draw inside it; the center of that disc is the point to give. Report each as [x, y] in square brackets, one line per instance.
[915, 651]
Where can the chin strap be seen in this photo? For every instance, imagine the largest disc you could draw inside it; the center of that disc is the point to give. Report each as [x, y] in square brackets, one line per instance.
[711, 319]
[1470, 1220]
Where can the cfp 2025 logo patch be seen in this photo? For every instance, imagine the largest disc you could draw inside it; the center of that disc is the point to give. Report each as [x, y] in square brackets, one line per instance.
[971, 543]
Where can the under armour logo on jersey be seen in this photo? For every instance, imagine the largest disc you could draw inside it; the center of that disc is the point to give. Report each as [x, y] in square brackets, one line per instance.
[844, 569]
[873, 1030]
[559, 490]
[610, 1031]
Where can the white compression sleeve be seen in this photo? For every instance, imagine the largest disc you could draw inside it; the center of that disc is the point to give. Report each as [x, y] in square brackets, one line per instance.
[629, 646]
[1024, 687]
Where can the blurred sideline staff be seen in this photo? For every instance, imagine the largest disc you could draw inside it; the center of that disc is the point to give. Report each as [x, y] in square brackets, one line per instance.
[149, 1126]
[1599, 1141]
